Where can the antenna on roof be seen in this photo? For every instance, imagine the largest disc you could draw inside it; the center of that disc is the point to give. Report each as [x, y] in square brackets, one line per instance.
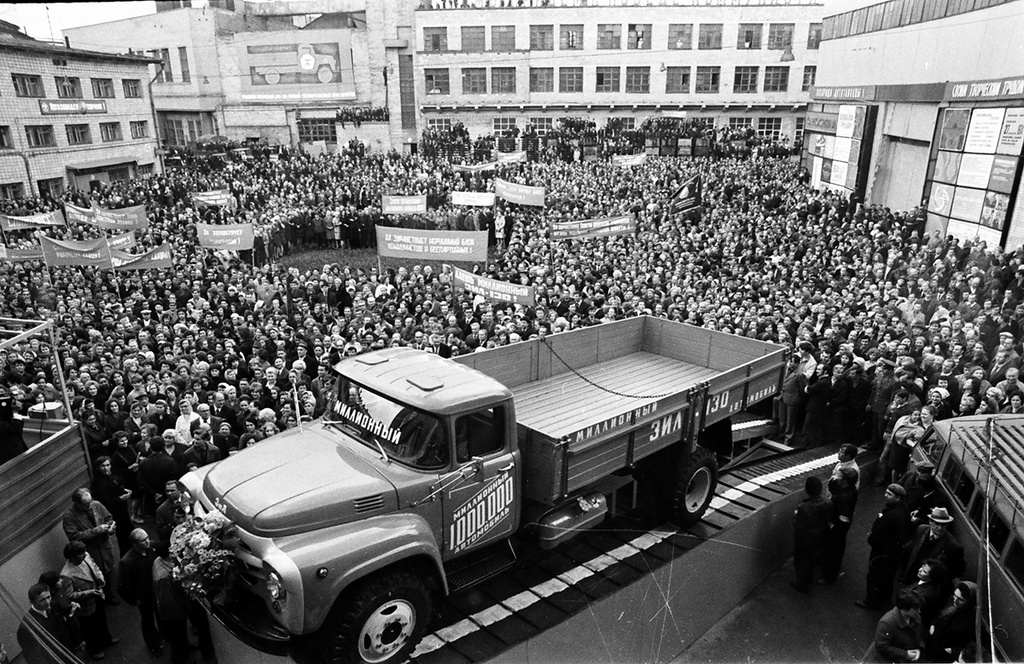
[48, 24]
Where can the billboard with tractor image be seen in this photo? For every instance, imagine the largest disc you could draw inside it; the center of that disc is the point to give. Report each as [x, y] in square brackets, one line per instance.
[298, 65]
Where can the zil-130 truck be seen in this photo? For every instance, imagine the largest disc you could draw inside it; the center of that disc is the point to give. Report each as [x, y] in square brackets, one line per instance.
[352, 526]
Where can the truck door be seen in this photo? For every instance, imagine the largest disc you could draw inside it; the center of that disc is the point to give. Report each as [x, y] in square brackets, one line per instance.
[485, 506]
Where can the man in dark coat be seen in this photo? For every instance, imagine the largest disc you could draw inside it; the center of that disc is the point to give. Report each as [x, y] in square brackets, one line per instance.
[817, 391]
[791, 402]
[810, 524]
[933, 541]
[837, 407]
[899, 636]
[888, 534]
[136, 586]
[44, 630]
[844, 501]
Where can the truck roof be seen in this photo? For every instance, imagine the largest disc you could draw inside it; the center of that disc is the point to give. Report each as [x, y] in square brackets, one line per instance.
[424, 380]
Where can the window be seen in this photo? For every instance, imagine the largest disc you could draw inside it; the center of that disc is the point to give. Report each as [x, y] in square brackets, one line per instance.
[570, 37]
[542, 79]
[132, 88]
[436, 81]
[798, 134]
[474, 81]
[186, 75]
[638, 79]
[570, 79]
[677, 80]
[708, 79]
[102, 88]
[40, 136]
[638, 37]
[959, 482]
[680, 36]
[479, 434]
[12, 191]
[6, 139]
[443, 124]
[710, 38]
[542, 37]
[503, 38]
[810, 72]
[473, 37]
[139, 128]
[78, 134]
[503, 80]
[607, 79]
[164, 73]
[770, 128]
[739, 124]
[998, 532]
[780, 36]
[1015, 563]
[52, 188]
[814, 37]
[749, 37]
[68, 87]
[501, 125]
[625, 124]
[435, 39]
[609, 36]
[745, 80]
[542, 125]
[776, 79]
[111, 131]
[28, 85]
[318, 129]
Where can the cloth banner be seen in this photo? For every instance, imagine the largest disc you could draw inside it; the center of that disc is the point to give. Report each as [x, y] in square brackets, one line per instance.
[122, 241]
[8, 223]
[492, 289]
[225, 236]
[403, 204]
[60, 253]
[21, 254]
[460, 246]
[602, 227]
[474, 168]
[519, 193]
[484, 198]
[628, 159]
[511, 157]
[78, 215]
[122, 219]
[215, 198]
[686, 197]
[158, 257]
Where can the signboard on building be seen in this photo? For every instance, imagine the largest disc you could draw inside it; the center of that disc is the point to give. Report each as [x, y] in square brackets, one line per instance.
[986, 89]
[72, 106]
[307, 65]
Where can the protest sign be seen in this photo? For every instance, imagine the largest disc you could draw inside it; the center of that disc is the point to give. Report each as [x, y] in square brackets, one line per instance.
[520, 194]
[9, 223]
[603, 227]
[225, 236]
[403, 204]
[60, 253]
[628, 159]
[492, 289]
[157, 257]
[466, 246]
[484, 198]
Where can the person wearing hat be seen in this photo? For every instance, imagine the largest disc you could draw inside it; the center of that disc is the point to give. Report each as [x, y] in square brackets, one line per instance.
[954, 627]
[881, 396]
[933, 540]
[889, 533]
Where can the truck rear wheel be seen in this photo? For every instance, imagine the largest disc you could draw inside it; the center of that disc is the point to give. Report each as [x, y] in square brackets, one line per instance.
[381, 620]
[694, 486]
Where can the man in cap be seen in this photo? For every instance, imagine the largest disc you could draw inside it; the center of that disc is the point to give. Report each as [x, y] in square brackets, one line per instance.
[888, 534]
[933, 540]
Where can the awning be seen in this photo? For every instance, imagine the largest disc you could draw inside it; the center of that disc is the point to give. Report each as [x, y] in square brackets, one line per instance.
[101, 163]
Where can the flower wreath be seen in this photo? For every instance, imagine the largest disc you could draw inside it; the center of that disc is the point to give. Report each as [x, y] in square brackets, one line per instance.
[203, 553]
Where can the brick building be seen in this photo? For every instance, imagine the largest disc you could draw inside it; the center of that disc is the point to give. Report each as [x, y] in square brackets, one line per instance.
[69, 117]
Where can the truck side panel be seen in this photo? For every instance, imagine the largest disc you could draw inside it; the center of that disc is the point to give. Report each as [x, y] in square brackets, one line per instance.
[742, 387]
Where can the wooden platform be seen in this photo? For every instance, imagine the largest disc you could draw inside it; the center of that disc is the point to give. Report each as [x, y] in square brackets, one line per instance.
[565, 403]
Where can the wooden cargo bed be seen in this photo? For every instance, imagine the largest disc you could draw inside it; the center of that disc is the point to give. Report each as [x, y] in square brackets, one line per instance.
[565, 403]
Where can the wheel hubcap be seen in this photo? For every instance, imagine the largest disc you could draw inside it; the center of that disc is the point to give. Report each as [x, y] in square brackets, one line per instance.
[697, 489]
[387, 630]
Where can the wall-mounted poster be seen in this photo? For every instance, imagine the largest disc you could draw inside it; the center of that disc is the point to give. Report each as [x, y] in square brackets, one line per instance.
[826, 171]
[1011, 138]
[967, 204]
[1003, 169]
[983, 133]
[844, 147]
[297, 65]
[947, 165]
[941, 199]
[954, 128]
[974, 170]
[839, 170]
[847, 121]
[993, 213]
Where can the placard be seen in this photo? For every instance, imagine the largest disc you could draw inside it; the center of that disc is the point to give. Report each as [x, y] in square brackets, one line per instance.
[947, 165]
[954, 128]
[468, 246]
[520, 194]
[993, 212]
[983, 134]
[403, 204]
[1011, 138]
[974, 170]
[484, 198]
[967, 204]
[1001, 178]
[603, 227]
[492, 289]
[941, 198]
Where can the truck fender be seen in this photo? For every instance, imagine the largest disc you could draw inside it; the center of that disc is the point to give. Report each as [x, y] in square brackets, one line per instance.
[353, 551]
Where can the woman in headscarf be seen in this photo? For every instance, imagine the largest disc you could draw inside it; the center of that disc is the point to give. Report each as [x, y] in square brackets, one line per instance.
[954, 626]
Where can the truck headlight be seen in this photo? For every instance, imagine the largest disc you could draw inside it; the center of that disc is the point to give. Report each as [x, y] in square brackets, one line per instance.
[275, 587]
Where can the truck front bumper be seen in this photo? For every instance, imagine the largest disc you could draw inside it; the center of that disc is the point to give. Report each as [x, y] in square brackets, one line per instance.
[246, 617]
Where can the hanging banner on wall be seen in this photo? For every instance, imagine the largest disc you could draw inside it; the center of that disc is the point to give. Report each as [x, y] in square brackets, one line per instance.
[463, 246]
[8, 223]
[520, 194]
[61, 253]
[225, 236]
[492, 289]
[403, 204]
[484, 198]
[603, 227]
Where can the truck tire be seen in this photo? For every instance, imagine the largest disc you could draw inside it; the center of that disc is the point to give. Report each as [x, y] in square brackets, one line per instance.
[694, 486]
[272, 76]
[379, 621]
[324, 74]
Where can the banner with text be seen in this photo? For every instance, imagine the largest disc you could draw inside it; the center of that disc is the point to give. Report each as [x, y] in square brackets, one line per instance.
[463, 246]
[225, 236]
[474, 168]
[215, 198]
[54, 218]
[520, 194]
[484, 198]
[602, 227]
[124, 241]
[492, 289]
[687, 196]
[76, 214]
[511, 157]
[403, 204]
[628, 159]
[158, 257]
[60, 253]
[122, 219]
[21, 254]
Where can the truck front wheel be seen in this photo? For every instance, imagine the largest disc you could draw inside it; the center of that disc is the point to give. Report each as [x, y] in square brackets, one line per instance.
[381, 620]
[694, 486]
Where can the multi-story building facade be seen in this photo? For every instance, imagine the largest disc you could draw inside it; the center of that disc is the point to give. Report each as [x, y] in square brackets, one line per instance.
[492, 64]
[70, 117]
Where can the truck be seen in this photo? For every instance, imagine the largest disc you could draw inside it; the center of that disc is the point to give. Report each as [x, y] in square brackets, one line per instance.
[304, 60]
[351, 527]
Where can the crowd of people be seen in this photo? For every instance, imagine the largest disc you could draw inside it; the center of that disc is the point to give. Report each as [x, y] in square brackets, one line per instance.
[890, 329]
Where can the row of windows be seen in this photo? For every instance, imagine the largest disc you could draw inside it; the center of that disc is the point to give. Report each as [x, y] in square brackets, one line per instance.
[770, 127]
[746, 80]
[43, 136]
[70, 87]
[897, 14]
[609, 37]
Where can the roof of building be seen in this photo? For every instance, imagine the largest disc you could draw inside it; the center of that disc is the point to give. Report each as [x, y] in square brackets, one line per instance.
[16, 41]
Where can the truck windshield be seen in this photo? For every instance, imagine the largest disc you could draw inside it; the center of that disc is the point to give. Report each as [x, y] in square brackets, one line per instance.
[408, 436]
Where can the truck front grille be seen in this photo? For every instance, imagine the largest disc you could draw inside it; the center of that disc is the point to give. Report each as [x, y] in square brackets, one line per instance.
[368, 503]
